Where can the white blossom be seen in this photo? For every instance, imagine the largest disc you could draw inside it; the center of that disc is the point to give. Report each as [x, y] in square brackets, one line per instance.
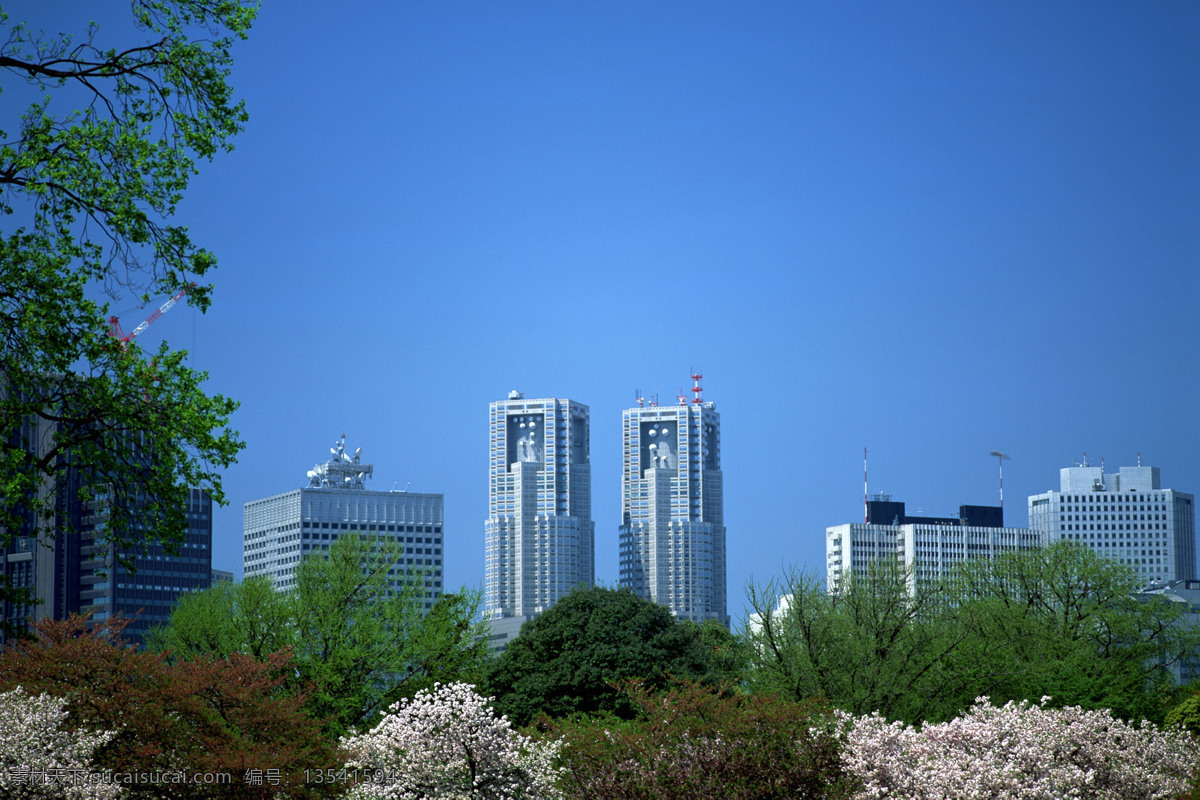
[38, 759]
[446, 743]
[1020, 751]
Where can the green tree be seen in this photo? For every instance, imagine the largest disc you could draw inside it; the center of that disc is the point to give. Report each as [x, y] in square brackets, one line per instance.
[247, 617]
[355, 624]
[874, 645]
[1065, 622]
[90, 177]
[1059, 621]
[567, 660]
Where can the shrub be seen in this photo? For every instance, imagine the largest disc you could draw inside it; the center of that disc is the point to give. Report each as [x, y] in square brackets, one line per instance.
[701, 743]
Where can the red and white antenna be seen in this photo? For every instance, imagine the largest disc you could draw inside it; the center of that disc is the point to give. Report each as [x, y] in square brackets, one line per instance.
[682, 398]
[696, 376]
[641, 401]
[116, 332]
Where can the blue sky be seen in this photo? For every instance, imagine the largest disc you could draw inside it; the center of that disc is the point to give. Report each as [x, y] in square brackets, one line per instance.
[929, 229]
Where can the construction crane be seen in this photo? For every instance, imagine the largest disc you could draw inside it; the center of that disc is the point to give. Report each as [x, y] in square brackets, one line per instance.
[116, 332]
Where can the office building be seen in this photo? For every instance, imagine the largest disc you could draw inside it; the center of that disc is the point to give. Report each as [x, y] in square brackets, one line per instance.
[280, 530]
[927, 548]
[539, 537]
[672, 535]
[70, 568]
[1124, 515]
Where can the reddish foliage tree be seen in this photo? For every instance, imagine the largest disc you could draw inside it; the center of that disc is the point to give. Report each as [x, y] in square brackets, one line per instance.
[695, 742]
[202, 716]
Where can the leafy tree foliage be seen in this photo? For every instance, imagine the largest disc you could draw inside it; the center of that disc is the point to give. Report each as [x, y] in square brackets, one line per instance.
[697, 742]
[364, 641]
[565, 661]
[201, 715]
[90, 176]
[34, 745]
[1186, 714]
[1022, 750]
[359, 633]
[1060, 621]
[1067, 623]
[870, 646]
[446, 742]
[248, 617]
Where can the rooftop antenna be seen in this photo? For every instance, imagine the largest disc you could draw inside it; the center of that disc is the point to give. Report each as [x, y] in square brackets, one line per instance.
[641, 401]
[865, 515]
[1000, 458]
[682, 397]
[696, 376]
[1139, 458]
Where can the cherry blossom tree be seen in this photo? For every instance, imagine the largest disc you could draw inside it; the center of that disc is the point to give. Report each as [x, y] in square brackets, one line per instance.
[446, 742]
[39, 759]
[1020, 751]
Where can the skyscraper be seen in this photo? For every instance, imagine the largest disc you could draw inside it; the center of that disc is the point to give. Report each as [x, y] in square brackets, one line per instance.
[672, 535]
[1124, 515]
[70, 566]
[280, 530]
[539, 535]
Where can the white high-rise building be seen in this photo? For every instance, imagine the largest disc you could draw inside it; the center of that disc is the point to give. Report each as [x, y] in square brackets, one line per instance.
[539, 537]
[1124, 515]
[672, 534]
[280, 530]
[927, 548]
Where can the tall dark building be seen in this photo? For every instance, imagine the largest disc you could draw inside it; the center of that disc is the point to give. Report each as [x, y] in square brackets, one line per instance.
[71, 569]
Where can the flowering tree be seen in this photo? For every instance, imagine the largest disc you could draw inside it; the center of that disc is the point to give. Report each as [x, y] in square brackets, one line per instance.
[1020, 751]
[39, 759]
[446, 742]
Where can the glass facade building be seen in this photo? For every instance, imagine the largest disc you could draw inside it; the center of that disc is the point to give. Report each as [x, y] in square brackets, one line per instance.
[672, 534]
[72, 569]
[1124, 515]
[539, 538]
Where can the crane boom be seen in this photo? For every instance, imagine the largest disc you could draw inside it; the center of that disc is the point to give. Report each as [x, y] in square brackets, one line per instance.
[116, 331]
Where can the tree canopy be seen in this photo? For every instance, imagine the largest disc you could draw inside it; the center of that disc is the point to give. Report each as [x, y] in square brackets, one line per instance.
[566, 660]
[1061, 622]
[91, 173]
[359, 635]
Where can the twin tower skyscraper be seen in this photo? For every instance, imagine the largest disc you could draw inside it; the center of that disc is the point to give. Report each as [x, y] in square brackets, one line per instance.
[540, 537]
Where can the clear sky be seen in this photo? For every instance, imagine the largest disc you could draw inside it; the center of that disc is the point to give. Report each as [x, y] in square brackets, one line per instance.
[929, 229]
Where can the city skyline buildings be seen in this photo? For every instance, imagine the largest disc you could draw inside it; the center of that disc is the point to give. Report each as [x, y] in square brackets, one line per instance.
[539, 537]
[672, 538]
[278, 531]
[71, 567]
[926, 548]
[1125, 515]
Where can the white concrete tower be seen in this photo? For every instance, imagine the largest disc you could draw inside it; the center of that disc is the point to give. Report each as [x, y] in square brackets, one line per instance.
[539, 535]
[672, 534]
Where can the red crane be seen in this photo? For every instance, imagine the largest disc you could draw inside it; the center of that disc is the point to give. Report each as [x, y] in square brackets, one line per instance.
[116, 332]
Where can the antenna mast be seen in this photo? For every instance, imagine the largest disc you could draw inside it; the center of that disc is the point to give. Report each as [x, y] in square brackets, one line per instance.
[1000, 458]
[865, 515]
